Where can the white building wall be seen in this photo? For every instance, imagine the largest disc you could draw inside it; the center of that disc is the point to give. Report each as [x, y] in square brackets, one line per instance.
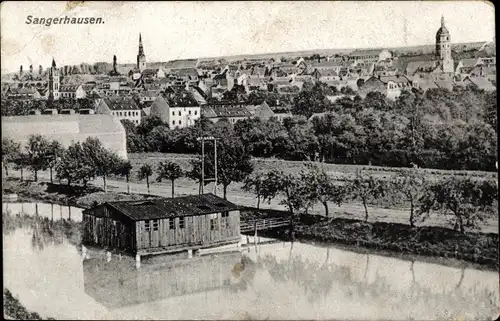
[183, 116]
[133, 115]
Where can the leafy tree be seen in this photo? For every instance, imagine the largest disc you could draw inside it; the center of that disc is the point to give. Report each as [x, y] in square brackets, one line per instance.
[171, 171]
[470, 201]
[21, 161]
[313, 100]
[410, 184]
[254, 184]
[37, 150]
[290, 188]
[102, 160]
[145, 171]
[233, 161]
[365, 188]
[74, 166]
[124, 169]
[54, 152]
[147, 124]
[10, 150]
[320, 187]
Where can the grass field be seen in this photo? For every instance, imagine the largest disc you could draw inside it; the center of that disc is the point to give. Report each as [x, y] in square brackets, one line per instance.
[336, 171]
[388, 209]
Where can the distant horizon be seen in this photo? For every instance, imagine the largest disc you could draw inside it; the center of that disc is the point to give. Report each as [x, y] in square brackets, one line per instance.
[244, 55]
[208, 30]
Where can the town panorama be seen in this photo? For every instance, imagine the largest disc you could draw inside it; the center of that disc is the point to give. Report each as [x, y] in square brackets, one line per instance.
[348, 184]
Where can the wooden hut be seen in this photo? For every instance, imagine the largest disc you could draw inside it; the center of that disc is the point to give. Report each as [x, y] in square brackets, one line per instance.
[162, 225]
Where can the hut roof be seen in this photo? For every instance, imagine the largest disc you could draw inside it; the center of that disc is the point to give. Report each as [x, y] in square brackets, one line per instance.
[173, 207]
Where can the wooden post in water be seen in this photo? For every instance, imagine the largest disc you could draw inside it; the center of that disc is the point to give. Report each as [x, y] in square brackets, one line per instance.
[255, 233]
[190, 254]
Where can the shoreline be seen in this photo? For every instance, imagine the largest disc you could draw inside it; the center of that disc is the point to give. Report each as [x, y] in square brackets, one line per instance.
[427, 243]
[14, 310]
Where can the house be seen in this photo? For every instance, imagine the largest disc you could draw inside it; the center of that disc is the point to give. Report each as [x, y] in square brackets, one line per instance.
[280, 116]
[481, 83]
[488, 71]
[120, 107]
[260, 72]
[67, 129]
[370, 55]
[23, 93]
[174, 116]
[262, 111]
[185, 74]
[162, 225]
[231, 113]
[148, 95]
[325, 75]
[252, 84]
[390, 86]
[465, 66]
[72, 91]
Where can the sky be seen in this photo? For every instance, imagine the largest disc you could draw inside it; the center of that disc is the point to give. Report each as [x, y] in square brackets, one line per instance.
[178, 30]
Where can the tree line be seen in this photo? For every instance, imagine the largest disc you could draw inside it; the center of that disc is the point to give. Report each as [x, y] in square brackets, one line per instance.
[79, 163]
[82, 162]
[469, 201]
[430, 130]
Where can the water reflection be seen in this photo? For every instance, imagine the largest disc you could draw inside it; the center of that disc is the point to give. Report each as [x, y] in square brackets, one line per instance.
[275, 281]
[117, 283]
[51, 211]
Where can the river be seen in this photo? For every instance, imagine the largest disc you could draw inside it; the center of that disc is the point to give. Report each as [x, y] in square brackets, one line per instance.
[51, 275]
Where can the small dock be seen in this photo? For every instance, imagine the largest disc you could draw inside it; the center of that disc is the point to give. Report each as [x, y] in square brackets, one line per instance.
[248, 226]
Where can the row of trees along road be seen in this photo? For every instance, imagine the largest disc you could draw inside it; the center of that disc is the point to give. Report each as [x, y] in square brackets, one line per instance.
[83, 162]
[470, 201]
[80, 163]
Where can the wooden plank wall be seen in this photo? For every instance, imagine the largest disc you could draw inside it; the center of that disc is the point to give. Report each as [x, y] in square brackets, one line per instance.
[197, 230]
[104, 229]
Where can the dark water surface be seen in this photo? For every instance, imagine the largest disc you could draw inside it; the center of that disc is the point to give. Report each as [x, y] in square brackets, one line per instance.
[52, 276]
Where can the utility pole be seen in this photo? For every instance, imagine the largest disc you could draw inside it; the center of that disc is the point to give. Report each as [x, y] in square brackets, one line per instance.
[203, 179]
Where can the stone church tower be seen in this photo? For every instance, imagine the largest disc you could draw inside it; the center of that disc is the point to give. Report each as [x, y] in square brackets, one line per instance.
[141, 57]
[54, 82]
[443, 48]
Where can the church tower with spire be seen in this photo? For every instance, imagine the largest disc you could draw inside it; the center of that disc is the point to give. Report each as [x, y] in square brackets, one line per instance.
[54, 82]
[443, 48]
[141, 57]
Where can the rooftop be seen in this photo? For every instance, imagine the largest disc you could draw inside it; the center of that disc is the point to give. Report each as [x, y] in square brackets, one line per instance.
[173, 207]
[121, 103]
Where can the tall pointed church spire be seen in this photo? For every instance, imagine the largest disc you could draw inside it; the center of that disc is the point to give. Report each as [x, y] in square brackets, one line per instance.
[141, 49]
[442, 20]
[53, 63]
[141, 57]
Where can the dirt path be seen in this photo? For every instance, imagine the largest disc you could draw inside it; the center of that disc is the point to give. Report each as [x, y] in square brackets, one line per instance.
[236, 195]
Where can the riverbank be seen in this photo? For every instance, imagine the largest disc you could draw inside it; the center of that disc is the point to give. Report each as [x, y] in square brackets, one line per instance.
[480, 249]
[438, 242]
[14, 310]
[63, 195]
